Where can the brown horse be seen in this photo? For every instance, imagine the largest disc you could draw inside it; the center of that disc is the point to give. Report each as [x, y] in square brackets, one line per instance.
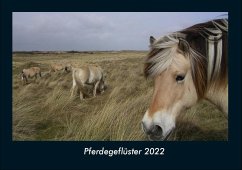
[187, 66]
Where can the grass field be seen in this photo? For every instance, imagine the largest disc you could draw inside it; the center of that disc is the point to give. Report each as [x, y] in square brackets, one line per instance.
[43, 109]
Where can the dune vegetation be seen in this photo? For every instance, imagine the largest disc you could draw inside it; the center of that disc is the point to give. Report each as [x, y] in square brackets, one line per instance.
[43, 109]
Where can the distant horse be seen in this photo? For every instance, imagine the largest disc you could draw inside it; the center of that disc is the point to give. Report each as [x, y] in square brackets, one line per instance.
[187, 66]
[29, 73]
[60, 67]
[85, 77]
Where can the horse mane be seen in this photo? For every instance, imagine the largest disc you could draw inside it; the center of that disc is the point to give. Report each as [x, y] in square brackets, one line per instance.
[206, 46]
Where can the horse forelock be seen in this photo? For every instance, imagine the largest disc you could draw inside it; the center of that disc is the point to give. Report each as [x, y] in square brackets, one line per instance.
[207, 53]
[161, 54]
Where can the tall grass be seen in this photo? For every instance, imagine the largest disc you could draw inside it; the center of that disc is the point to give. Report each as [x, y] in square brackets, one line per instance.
[43, 109]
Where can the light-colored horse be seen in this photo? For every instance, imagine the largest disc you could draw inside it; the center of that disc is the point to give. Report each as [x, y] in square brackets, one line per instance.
[55, 67]
[85, 77]
[29, 73]
[187, 66]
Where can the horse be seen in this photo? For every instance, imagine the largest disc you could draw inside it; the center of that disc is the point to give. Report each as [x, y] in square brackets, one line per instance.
[88, 77]
[55, 67]
[187, 66]
[29, 73]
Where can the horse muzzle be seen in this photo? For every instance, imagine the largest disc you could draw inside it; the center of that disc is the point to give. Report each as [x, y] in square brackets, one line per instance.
[159, 126]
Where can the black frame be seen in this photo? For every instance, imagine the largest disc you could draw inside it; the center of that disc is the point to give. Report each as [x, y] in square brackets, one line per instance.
[69, 155]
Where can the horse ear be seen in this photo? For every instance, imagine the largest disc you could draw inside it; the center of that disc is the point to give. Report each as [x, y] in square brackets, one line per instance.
[183, 45]
[152, 40]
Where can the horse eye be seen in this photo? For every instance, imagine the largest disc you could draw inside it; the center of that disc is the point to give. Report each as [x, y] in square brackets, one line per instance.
[179, 78]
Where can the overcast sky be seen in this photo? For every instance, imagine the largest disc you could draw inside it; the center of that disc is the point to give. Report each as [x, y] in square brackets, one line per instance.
[50, 31]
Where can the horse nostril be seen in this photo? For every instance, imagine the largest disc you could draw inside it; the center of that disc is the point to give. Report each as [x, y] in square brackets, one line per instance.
[157, 130]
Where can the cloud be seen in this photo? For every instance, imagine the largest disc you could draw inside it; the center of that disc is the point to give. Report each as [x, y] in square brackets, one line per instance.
[96, 31]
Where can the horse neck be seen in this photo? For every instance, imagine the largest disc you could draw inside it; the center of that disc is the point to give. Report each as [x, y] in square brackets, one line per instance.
[218, 96]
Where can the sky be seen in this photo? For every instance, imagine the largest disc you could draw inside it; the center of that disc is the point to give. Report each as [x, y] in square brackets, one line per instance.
[98, 31]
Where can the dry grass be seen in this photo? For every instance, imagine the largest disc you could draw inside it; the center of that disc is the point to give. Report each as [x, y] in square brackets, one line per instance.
[43, 109]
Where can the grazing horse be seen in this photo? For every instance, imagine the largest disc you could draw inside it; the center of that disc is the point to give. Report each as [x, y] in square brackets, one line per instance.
[60, 67]
[29, 73]
[86, 77]
[186, 66]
